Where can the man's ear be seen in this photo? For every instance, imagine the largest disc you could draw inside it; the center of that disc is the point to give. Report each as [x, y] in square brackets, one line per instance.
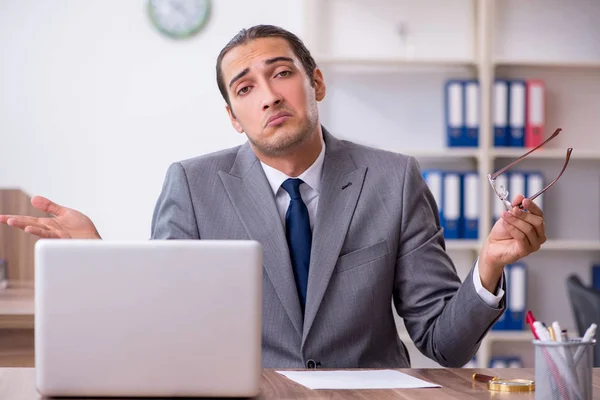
[234, 122]
[319, 84]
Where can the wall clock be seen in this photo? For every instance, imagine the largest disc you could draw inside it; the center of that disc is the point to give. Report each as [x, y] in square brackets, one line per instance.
[179, 19]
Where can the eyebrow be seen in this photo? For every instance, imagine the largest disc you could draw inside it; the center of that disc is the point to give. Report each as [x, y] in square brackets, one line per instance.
[277, 59]
[267, 62]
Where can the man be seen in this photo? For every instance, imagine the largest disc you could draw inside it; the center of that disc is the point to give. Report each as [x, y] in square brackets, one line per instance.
[344, 228]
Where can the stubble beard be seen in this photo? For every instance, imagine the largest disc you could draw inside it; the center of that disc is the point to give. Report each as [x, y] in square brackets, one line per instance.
[285, 141]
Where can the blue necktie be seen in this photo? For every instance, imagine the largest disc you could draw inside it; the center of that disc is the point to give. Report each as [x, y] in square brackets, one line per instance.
[299, 236]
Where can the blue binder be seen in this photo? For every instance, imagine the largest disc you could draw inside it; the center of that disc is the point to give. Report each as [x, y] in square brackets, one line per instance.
[535, 183]
[596, 276]
[498, 362]
[470, 205]
[500, 107]
[518, 296]
[497, 205]
[472, 116]
[516, 184]
[516, 115]
[503, 323]
[435, 181]
[455, 113]
[451, 209]
[514, 362]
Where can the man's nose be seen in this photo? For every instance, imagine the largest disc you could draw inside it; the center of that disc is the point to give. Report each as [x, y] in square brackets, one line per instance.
[271, 98]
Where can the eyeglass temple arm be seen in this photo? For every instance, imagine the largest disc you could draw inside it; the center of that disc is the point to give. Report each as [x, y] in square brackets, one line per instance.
[569, 150]
[500, 172]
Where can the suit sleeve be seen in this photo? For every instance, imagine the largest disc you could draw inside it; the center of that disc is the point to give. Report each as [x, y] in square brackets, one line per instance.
[174, 216]
[445, 319]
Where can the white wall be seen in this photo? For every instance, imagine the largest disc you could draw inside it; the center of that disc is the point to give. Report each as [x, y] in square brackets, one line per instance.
[95, 104]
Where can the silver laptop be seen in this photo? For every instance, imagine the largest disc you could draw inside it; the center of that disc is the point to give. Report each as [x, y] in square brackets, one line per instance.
[149, 318]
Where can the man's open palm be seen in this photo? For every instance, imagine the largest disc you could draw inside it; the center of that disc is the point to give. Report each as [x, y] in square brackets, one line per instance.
[65, 223]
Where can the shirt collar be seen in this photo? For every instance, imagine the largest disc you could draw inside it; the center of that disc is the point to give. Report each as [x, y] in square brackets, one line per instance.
[312, 175]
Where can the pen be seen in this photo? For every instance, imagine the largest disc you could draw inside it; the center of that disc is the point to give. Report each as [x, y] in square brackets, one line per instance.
[542, 332]
[561, 336]
[589, 333]
[552, 335]
[557, 331]
[530, 319]
[587, 336]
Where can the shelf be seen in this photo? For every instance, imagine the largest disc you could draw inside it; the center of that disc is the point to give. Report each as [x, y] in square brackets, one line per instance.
[448, 153]
[577, 154]
[575, 245]
[391, 62]
[547, 63]
[17, 306]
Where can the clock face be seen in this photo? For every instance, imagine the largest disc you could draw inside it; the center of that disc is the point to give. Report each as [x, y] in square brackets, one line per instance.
[179, 18]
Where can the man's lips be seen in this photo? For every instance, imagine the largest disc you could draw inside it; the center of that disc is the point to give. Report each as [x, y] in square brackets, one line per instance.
[278, 118]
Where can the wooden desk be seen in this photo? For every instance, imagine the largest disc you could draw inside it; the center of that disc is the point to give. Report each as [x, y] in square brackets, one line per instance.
[19, 383]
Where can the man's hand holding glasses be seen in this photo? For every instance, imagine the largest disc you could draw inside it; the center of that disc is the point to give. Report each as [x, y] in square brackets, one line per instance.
[519, 232]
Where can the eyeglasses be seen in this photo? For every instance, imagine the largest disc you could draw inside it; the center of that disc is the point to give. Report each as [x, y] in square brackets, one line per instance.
[501, 191]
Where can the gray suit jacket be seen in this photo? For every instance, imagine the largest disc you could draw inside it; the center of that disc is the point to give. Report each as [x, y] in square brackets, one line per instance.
[374, 241]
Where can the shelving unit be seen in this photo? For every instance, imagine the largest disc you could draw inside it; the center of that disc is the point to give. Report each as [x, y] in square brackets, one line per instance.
[387, 92]
[547, 63]
[391, 62]
[579, 154]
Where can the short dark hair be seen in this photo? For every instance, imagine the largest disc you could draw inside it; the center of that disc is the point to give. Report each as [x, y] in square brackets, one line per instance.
[264, 31]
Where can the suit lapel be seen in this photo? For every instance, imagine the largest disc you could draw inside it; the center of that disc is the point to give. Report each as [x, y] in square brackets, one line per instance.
[341, 186]
[254, 203]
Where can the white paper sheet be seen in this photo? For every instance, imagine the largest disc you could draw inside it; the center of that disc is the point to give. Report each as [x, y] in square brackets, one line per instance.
[371, 379]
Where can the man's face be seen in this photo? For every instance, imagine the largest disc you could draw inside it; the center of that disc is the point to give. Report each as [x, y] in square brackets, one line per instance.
[271, 96]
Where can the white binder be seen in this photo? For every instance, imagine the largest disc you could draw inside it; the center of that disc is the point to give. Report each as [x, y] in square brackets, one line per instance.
[535, 183]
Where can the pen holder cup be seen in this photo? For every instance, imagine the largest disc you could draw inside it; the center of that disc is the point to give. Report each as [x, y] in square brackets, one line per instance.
[563, 370]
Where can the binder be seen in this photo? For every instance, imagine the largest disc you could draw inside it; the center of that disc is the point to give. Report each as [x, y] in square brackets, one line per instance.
[455, 113]
[503, 323]
[534, 127]
[498, 362]
[497, 205]
[535, 183]
[471, 133]
[451, 205]
[500, 104]
[516, 185]
[517, 298]
[596, 276]
[470, 205]
[516, 114]
[515, 362]
[506, 362]
[434, 180]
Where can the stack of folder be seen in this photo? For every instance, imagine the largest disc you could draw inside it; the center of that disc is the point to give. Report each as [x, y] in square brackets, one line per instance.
[506, 362]
[518, 112]
[462, 113]
[596, 276]
[513, 319]
[518, 182]
[457, 198]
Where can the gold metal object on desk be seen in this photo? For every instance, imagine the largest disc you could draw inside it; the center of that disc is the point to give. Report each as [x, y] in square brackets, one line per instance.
[505, 385]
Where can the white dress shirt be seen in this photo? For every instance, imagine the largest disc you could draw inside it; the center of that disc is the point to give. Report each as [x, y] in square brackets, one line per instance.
[310, 191]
